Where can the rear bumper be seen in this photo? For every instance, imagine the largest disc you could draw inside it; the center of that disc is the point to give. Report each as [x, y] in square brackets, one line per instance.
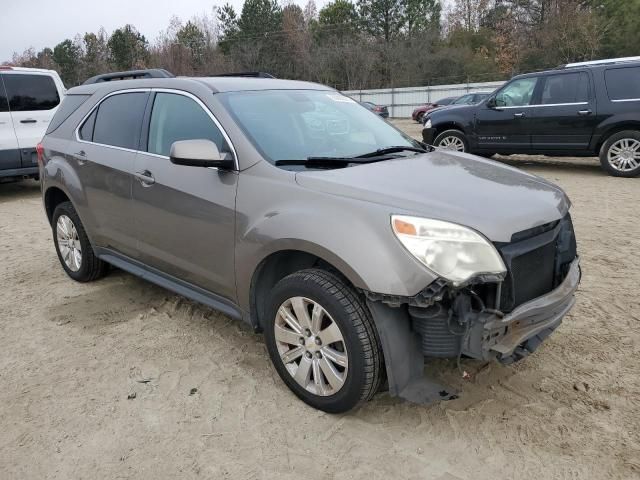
[19, 172]
[519, 333]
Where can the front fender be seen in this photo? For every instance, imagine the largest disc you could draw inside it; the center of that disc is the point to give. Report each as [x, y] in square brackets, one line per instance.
[353, 236]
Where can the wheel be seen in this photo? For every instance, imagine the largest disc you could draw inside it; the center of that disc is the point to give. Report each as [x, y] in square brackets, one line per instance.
[620, 154]
[73, 247]
[452, 140]
[322, 341]
[420, 117]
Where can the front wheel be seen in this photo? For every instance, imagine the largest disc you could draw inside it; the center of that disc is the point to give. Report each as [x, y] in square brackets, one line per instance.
[620, 154]
[322, 341]
[452, 140]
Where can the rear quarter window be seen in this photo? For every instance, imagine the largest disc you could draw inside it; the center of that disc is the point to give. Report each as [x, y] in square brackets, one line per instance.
[70, 104]
[31, 92]
[623, 83]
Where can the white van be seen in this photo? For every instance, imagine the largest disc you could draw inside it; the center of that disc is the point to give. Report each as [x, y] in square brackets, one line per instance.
[29, 97]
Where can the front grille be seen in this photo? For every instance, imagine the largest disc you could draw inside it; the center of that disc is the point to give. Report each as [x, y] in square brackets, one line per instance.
[536, 264]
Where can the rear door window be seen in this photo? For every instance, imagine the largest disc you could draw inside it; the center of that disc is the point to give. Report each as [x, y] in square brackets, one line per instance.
[177, 117]
[119, 119]
[623, 83]
[565, 88]
[31, 92]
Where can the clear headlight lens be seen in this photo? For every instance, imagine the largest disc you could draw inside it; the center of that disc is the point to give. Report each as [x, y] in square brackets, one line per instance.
[427, 124]
[451, 251]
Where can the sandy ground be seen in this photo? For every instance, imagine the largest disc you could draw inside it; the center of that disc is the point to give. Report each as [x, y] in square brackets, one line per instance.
[208, 404]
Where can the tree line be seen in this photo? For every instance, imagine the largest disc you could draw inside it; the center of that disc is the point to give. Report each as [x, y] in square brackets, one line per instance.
[361, 44]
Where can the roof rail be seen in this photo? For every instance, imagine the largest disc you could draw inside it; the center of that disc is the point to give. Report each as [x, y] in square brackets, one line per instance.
[130, 75]
[245, 74]
[601, 62]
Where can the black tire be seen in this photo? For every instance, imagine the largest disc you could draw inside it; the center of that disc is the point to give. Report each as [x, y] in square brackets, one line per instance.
[420, 117]
[348, 310]
[605, 162]
[441, 138]
[91, 267]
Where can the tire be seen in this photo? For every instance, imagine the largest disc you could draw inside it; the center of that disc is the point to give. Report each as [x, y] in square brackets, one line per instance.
[359, 344]
[420, 117]
[85, 268]
[620, 154]
[449, 138]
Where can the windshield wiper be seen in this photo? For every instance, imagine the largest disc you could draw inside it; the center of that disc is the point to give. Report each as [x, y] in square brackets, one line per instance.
[394, 149]
[327, 162]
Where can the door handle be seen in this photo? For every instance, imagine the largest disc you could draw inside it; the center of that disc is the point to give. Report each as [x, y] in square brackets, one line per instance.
[145, 177]
[585, 112]
[28, 120]
[519, 115]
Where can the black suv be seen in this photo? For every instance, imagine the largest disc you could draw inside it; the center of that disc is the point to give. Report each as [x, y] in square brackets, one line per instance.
[579, 109]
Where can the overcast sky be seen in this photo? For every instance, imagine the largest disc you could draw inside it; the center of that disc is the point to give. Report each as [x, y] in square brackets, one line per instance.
[44, 23]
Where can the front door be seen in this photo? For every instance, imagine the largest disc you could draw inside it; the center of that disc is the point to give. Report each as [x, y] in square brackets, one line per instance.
[505, 126]
[9, 152]
[185, 216]
[566, 115]
[103, 157]
[33, 100]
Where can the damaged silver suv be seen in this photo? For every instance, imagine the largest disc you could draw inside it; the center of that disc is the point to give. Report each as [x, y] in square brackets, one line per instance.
[358, 251]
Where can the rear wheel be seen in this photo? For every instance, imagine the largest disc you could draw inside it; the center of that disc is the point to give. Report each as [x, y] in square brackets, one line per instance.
[322, 341]
[452, 140]
[73, 247]
[620, 154]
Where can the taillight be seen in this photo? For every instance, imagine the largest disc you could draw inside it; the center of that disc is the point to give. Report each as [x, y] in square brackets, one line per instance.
[40, 151]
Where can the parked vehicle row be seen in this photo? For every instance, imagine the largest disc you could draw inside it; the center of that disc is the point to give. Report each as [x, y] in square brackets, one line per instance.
[358, 251]
[421, 113]
[581, 109]
[29, 98]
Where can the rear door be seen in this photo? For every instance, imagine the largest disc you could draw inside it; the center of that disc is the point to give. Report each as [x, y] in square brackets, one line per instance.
[9, 152]
[33, 100]
[506, 126]
[566, 115]
[184, 217]
[103, 156]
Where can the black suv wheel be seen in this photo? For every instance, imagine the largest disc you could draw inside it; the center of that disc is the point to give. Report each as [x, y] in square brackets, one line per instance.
[452, 140]
[620, 154]
[73, 247]
[322, 341]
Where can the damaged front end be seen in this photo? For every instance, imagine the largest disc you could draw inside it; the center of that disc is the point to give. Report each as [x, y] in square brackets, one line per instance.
[503, 319]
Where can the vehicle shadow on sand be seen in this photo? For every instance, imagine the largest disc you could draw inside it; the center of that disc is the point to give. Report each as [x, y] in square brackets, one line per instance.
[19, 190]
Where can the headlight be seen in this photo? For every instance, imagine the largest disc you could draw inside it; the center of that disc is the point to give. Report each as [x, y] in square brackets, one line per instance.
[451, 251]
[427, 124]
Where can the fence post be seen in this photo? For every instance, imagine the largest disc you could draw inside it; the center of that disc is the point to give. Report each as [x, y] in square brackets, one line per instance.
[393, 102]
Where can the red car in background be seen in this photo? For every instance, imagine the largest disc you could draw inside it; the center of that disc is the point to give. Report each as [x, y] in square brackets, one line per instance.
[419, 112]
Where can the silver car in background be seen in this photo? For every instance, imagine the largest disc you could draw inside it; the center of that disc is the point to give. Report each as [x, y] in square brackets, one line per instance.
[354, 248]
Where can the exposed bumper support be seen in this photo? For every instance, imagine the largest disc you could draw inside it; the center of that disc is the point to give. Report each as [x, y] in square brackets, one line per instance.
[521, 331]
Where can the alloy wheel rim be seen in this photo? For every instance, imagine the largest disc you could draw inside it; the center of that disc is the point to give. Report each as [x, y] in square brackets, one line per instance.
[624, 155]
[69, 243]
[452, 143]
[311, 346]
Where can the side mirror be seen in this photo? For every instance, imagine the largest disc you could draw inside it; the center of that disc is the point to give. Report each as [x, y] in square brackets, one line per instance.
[491, 103]
[200, 153]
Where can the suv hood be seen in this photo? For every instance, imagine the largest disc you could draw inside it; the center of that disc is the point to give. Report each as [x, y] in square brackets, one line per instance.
[490, 197]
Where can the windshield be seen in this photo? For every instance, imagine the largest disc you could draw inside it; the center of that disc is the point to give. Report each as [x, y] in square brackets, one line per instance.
[299, 124]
